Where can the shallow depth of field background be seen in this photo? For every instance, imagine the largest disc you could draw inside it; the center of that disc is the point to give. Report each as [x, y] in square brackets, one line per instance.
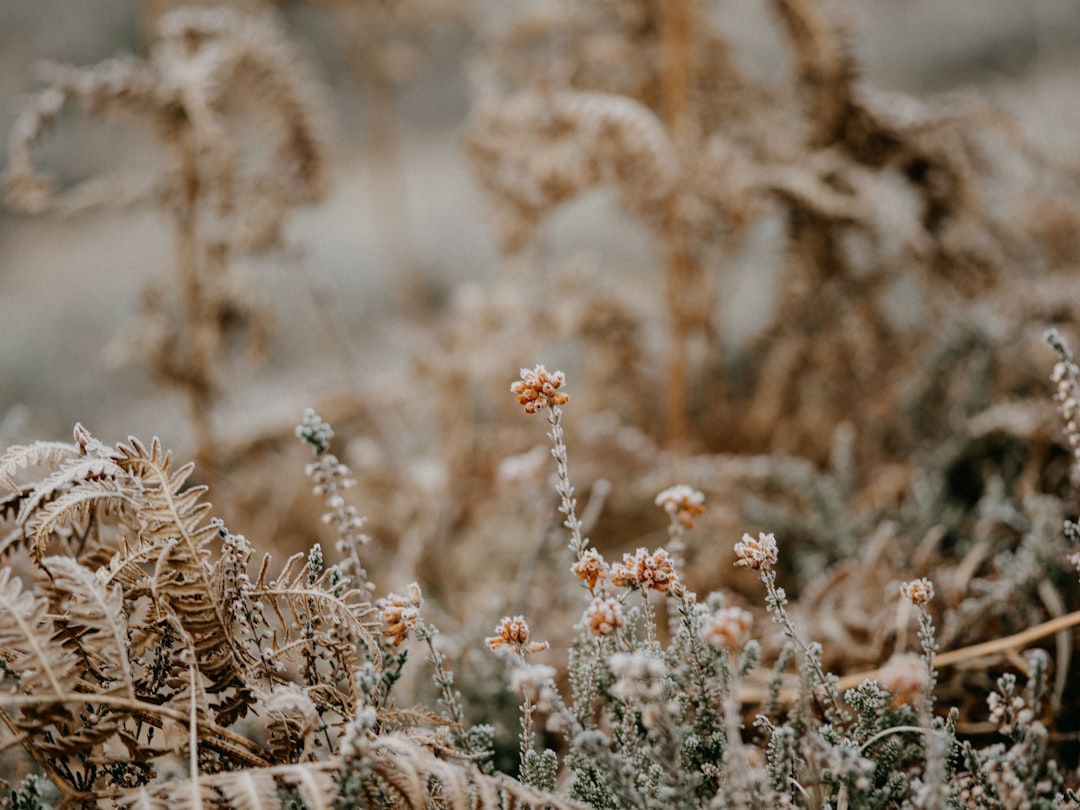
[69, 290]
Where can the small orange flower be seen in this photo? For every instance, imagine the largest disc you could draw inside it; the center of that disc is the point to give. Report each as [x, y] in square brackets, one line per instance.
[603, 617]
[727, 629]
[919, 591]
[760, 553]
[682, 503]
[537, 389]
[400, 614]
[514, 633]
[647, 571]
[591, 568]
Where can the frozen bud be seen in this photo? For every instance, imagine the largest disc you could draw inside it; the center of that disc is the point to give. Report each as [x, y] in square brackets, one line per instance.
[603, 617]
[760, 553]
[682, 503]
[647, 571]
[400, 614]
[590, 567]
[513, 632]
[537, 389]
[530, 679]
[727, 629]
[919, 591]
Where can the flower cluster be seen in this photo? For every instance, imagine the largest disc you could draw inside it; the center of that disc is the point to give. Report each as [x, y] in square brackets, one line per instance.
[919, 591]
[400, 614]
[513, 632]
[647, 571]
[906, 677]
[760, 553]
[682, 503]
[727, 628]
[537, 389]
[604, 616]
[590, 568]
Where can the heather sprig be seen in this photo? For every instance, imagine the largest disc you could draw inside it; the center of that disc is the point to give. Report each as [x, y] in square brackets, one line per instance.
[331, 478]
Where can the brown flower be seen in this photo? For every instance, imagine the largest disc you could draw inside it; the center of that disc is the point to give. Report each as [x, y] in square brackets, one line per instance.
[514, 633]
[647, 571]
[590, 568]
[400, 614]
[604, 616]
[919, 591]
[727, 629]
[682, 503]
[537, 389]
[759, 553]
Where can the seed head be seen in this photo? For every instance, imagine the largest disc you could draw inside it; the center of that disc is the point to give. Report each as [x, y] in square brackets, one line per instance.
[760, 553]
[682, 503]
[537, 389]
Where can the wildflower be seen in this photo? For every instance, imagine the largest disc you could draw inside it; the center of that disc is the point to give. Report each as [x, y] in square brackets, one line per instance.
[759, 553]
[682, 503]
[400, 614]
[514, 632]
[906, 677]
[919, 591]
[590, 568]
[727, 629]
[647, 571]
[603, 617]
[537, 389]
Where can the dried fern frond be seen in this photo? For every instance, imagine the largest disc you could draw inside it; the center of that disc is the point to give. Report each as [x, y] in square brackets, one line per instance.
[174, 518]
[385, 771]
[38, 454]
[93, 621]
[539, 149]
[324, 613]
[26, 629]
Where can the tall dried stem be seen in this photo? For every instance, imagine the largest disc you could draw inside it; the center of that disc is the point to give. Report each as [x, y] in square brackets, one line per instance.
[676, 22]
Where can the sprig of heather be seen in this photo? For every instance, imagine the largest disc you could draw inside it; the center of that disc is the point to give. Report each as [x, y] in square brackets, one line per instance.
[539, 390]
[331, 478]
[761, 554]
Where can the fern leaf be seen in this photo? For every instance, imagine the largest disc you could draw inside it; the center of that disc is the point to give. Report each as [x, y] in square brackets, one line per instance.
[71, 473]
[292, 720]
[251, 790]
[73, 507]
[144, 799]
[38, 454]
[94, 617]
[316, 787]
[43, 669]
[183, 578]
[126, 566]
